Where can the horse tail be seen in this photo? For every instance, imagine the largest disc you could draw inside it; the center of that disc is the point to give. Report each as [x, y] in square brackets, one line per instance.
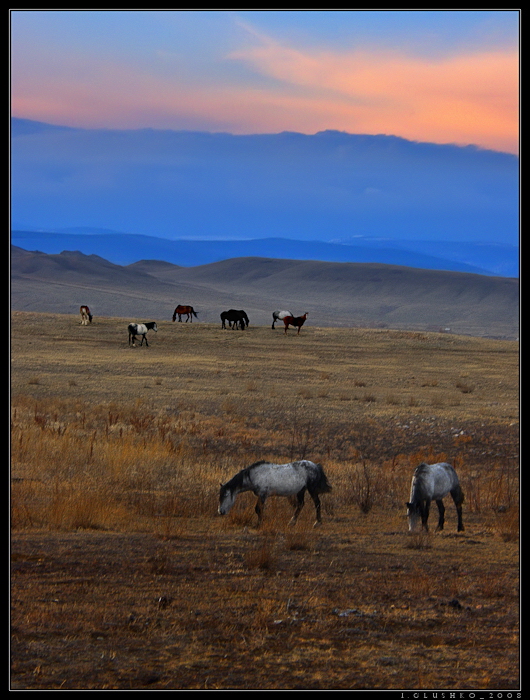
[321, 481]
[458, 495]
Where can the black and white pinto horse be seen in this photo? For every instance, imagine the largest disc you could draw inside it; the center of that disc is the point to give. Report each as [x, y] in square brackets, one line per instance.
[266, 479]
[279, 315]
[187, 311]
[296, 321]
[86, 316]
[432, 482]
[235, 318]
[140, 329]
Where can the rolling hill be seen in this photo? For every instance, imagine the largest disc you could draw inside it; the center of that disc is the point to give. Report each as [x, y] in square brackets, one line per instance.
[126, 248]
[334, 294]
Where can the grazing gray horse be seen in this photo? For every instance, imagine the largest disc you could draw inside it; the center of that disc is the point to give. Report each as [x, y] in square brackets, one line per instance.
[432, 482]
[266, 479]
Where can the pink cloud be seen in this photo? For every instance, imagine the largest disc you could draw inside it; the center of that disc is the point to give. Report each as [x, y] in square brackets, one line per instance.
[463, 99]
[470, 98]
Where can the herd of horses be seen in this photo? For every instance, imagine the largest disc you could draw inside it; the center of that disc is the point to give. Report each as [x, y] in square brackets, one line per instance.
[235, 318]
[430, 482]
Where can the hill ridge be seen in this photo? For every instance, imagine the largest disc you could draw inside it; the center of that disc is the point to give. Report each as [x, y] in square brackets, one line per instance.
[335, 294]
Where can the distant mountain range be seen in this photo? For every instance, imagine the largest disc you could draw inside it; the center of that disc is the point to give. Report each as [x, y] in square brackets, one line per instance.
[124, 249]
[334, 294]
[372, 191]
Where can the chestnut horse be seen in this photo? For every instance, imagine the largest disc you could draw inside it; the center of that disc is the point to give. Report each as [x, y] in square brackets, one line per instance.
[296, 321]
[184, 311]
[86, 316]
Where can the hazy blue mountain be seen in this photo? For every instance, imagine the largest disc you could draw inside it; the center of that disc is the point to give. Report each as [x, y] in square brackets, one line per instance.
[322, 187]
[124, 249]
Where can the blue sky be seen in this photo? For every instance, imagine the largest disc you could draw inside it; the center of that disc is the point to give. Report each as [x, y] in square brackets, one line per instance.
[437, 76]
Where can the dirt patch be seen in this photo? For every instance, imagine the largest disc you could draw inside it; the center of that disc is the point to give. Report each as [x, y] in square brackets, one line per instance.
[219, 606]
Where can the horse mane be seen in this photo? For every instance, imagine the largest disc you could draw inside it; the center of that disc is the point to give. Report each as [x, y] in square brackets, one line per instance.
[239, 479]
[421, 469]
[257, 464]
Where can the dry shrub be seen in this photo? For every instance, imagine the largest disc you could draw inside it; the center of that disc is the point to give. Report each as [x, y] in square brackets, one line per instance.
[128, 462]
[419, 540]
[506, 523]
[262, 555]
[363, 485]
[299, 539]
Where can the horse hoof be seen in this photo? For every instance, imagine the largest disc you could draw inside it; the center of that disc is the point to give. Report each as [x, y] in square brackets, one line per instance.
[318, 523]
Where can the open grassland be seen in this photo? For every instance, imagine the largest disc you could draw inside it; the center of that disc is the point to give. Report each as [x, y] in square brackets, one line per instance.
[124, 577]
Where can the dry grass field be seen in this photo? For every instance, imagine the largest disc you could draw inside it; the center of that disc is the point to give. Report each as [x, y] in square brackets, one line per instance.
[124, 576]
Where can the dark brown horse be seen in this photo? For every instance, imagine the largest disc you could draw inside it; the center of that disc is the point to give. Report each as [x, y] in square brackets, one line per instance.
[296, 321]
[187, 311]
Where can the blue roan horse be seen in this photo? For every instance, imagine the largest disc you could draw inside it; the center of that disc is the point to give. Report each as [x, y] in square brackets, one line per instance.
[266, 479]
[432, 482]
[140, 329]
[279, 315]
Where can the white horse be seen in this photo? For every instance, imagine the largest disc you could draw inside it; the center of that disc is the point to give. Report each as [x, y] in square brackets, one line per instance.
[432, 482]
[140, 329]
[266, 479]
[86, 316]
[279, 315]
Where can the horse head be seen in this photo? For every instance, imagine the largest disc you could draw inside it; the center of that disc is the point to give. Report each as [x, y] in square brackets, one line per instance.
[226, 499]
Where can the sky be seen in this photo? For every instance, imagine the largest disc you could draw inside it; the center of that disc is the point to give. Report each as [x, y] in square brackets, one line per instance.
[431, 76]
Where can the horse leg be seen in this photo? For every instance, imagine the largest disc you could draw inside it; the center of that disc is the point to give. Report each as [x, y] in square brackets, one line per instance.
[460, 526]
[146, 343]
[424, 510]
[458, 498]
[441, 514]
[260, 503]
[316, 501]
[299, 505]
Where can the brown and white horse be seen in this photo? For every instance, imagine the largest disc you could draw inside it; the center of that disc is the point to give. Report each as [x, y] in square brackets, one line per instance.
[86, 316]
[296, 321]
[187, 311]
